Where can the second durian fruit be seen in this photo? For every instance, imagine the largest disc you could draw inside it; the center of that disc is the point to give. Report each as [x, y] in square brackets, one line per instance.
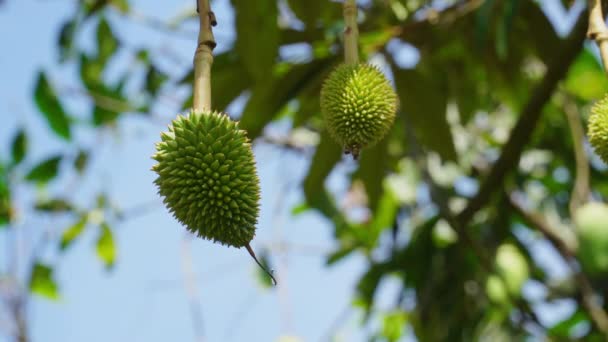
[359, 106]
[207, 177]
[598, 128]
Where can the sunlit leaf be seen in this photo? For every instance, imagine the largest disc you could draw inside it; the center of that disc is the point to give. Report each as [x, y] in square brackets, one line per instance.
[106, 41]
[45, 170]
[49, 105]
[393, 325]
[19, 147]
[42, 282]
[586, 78]
[73, 232]
[106, 247]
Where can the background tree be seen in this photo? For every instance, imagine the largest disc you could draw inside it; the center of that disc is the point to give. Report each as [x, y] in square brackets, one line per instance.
[466, 209]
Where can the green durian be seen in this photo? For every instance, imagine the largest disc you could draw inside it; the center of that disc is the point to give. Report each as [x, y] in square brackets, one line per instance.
[208, 179]
[359, 106]
[598, 128]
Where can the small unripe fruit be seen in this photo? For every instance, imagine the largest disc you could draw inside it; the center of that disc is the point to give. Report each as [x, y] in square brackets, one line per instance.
[513, 272]
[591, 221]
[207, 177]
[598, 128]
[359, 106]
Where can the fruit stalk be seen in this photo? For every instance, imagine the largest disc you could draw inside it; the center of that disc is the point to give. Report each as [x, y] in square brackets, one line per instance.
[597, 30]
[351, 32]
[203, 59]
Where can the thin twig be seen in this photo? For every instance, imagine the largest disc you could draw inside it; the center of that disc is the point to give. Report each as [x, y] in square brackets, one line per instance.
[580, 192]
[598, 316]
[597, 30]
[190, 284]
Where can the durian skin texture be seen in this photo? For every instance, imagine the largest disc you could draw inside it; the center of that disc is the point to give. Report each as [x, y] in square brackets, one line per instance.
[208, 179]
[598, 128]
[358, 104]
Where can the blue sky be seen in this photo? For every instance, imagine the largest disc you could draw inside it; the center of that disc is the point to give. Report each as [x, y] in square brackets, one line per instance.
[144, 298]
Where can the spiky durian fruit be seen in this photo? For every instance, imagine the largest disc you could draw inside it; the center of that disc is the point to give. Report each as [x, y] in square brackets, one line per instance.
[598, 128]
[207, 177]
[359, 106]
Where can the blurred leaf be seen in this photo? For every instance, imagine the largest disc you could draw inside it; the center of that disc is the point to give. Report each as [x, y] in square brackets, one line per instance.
[106, 42]
[44, 171]
[5, 197]
[155, 79]
[81, 161]
[424, 103]
[66, 39]
[106, 248]
[300, 208]
[54, 205]
[586, 78]
[372, 169]
[19, 147]
[393, 324]
[73, 232]
[121, 5]
[90, 71]
[42, 282]
[268, 99]
[307, 11]
[328, 153]
[48, 104]
[257, 35]
[339, 254]
[564, 328]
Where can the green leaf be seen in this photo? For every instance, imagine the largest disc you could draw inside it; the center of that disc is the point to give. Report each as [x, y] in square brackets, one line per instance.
[339, 254]
[66, 39]
[393, 325]
[121, 5]
[55, 205]
[155, 79]
[586, 78]
[5, 198]
[106, 248]
[257, 33]
[563, 329]
[44, 171]
[106, 41]
[308, 11]
[42, 282]
[19, 147]
[327, 155]
[423, 99]
[81, 161]
[73, 232]
[372, 170]
[263, 279]
[49, 105]
[268, 99]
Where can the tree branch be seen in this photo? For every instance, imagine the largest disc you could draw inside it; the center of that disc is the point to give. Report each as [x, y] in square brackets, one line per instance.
[351, 32]
[597, 30]
[598, 316]
[527, 122]
[580, 192]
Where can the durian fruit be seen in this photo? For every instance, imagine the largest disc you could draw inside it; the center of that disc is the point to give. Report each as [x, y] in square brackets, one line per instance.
[598, 128]
[591, 222]
[207, 177]
[359, 106]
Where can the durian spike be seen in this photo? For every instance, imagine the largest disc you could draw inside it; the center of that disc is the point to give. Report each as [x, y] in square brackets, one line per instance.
[252, 253]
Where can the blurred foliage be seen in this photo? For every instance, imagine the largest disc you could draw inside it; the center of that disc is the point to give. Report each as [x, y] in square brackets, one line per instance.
[464, 71]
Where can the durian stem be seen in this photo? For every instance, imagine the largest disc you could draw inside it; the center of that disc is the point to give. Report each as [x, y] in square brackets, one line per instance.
[203, 59]
[252, 253]
[597, 30]
[351, 32]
